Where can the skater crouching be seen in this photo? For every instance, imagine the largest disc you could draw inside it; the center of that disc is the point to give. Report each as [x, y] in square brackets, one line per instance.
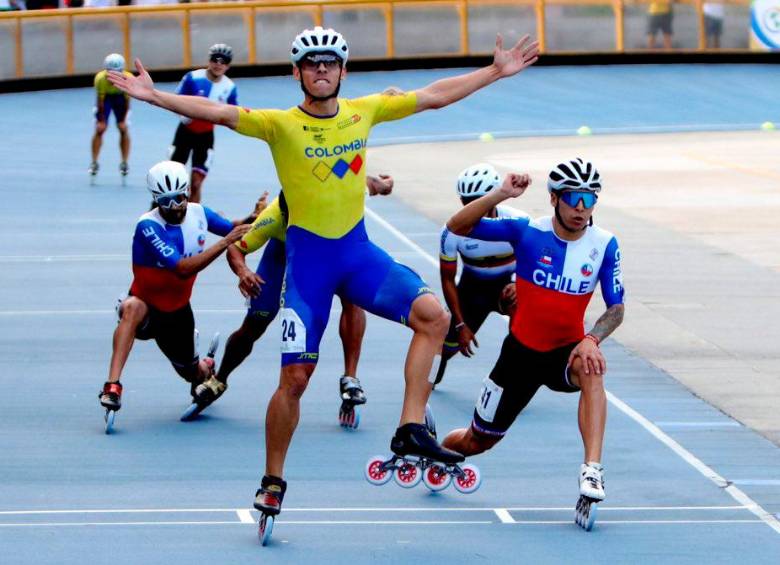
[169, 250]
[560, 260]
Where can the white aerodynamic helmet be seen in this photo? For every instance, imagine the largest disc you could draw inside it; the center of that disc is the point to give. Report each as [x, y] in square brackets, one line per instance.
[114, 62]
[477, 180]
[168, 178]
[319, 40]
[574, 175]
[221, 50]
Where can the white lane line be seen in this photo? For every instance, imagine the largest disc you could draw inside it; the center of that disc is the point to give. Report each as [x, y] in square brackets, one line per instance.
[696, 463]
[698, 424]
[392, 229]
[359, 509]
[365, 523]
[504, 516]
[654, 430]
[60, 258]
[245, 516]
[234, 523]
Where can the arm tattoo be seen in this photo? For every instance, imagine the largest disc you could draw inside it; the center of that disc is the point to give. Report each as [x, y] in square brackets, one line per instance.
[608, 322]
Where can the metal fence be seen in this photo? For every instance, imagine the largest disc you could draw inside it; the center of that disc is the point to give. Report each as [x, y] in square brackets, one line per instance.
[50, 43]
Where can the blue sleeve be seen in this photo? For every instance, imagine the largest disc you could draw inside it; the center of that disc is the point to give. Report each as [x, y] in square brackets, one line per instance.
[611, 275]
[185, 85]
[151, 248]
[499, 229]
[216, 223]
[233, 98]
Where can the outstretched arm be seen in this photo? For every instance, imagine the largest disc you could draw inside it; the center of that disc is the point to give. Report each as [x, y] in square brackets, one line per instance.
[506, 63]
[197, 107]
[467, 217]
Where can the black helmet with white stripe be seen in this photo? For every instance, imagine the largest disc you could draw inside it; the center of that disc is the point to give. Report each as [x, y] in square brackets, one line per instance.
[477, 180]
[574, 175]
[168, 178]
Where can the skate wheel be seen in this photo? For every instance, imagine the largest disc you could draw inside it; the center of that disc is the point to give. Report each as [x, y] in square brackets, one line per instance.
[585, 514]
[265, 529]
[470, 480]
[349, 418]
[436, 478]
[191, 413]
[110, 415]
[407, 475]
[375, 474]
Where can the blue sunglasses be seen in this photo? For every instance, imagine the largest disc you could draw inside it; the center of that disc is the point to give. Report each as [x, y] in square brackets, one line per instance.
[169, 201]
[574, 197]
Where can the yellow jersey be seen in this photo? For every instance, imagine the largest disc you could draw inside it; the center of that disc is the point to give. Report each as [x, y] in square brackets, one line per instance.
[658, 7]
[270, 224]
[320, 162]
[105, 88]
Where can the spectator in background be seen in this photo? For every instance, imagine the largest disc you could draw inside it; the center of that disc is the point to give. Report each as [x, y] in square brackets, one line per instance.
[11, 5]
[659, 18]
[714, 13]
[42, 4]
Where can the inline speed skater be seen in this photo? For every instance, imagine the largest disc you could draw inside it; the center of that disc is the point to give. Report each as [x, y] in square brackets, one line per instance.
[109, 99]
[561, 259]
[319, 149]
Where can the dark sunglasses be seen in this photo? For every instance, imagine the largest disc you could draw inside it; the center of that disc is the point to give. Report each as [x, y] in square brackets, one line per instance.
[574, 197]
[219, 59]
[313, 61]
[169, 201]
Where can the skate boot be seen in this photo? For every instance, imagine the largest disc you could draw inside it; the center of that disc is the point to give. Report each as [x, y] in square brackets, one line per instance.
[416, 439]
[93, 171]
[591, 482]
[268, 500]
[111, 399]
[205, 391]
[418, 457]
[123, 168]
[352, 396]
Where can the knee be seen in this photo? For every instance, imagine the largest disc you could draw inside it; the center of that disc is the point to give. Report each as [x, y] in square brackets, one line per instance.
[100, 128]
[478, 443]
[295, 379]
[122, 127]
[133, 310]
[430, 317]
[587, 383]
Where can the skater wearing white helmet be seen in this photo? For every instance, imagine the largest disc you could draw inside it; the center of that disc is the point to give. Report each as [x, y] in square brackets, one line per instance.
[111, 100]
[561, 259]
[169, 250]
[319, 149]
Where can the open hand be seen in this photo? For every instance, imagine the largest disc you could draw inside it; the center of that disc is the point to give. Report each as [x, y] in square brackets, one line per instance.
[140, 87]
[511, 61]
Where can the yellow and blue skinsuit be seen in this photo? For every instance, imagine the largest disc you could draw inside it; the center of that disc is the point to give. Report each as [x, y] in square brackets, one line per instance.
[320, 162]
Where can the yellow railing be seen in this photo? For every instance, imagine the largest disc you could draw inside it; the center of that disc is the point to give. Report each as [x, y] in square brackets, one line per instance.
[63, 28]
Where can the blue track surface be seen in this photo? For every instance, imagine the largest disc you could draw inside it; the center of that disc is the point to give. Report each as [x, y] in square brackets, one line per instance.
[163, 491]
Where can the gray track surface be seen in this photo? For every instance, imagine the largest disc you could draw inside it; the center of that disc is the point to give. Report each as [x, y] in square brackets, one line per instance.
[163, 491]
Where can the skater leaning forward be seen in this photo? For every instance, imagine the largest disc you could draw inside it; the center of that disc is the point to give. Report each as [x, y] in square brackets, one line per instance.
[169, 249]
[319, 149]
[560, 260]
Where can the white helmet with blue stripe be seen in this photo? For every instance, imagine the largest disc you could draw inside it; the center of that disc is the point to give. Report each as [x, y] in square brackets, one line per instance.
[114, 62]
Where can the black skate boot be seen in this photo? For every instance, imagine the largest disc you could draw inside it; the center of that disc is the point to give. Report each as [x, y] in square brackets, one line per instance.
[416, 439]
